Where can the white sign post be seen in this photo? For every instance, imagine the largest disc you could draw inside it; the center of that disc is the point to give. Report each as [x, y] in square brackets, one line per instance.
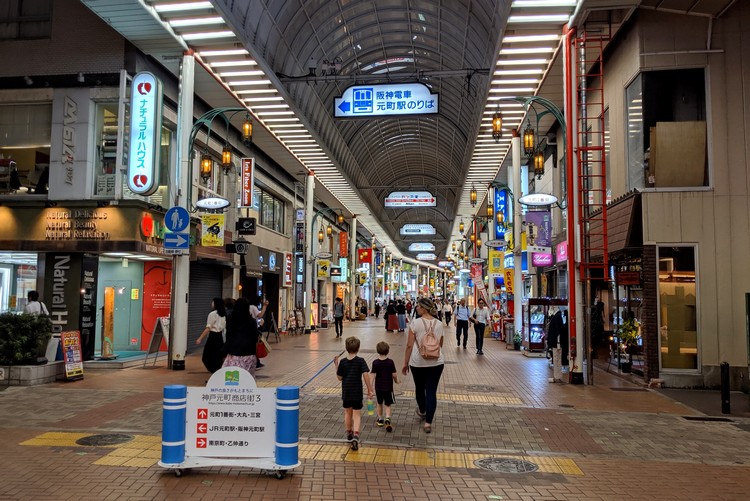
[145, 133]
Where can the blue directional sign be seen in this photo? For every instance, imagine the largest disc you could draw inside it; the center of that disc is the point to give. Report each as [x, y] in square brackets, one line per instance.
[177, 219]
[360, 101]
[176, 241]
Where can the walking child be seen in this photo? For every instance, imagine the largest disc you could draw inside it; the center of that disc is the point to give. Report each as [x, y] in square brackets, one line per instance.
[352, 371]
[384, 375]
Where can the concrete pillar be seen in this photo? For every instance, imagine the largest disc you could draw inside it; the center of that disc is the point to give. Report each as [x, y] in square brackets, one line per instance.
[373, 279]
[182, 178]
[310, 260]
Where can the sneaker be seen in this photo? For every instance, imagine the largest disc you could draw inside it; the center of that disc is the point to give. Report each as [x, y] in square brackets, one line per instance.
[388, 426]
[349, 436]
[481, 352]
[258, 365]
[379, 422]
[355, 442]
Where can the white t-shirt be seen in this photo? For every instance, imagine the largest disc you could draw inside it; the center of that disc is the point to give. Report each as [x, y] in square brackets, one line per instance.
[216, 323]
[419, 327]
[483, 315]
[36, 308]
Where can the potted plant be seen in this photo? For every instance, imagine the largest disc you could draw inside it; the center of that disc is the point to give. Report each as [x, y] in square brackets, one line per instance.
[628, 333]
[24, 338]
[517, 341]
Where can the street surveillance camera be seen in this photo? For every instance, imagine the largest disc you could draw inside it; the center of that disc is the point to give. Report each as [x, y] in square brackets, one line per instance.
[241, 247]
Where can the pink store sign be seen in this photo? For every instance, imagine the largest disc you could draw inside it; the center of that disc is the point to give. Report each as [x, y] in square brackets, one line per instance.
[539, 259]
[561, 252]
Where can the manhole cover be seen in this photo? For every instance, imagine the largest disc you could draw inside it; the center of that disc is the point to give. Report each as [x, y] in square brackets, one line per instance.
[506, 465]
[101, 440]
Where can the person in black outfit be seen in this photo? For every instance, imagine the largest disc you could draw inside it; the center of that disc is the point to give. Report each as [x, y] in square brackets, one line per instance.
[558, 334]
[242, 338]
[213, 351]
[352, 371]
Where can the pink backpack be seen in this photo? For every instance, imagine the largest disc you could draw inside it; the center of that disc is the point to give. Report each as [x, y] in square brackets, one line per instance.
[430, 346]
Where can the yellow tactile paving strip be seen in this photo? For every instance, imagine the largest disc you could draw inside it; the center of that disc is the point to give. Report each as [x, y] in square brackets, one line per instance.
[454, 397]
[144, 451]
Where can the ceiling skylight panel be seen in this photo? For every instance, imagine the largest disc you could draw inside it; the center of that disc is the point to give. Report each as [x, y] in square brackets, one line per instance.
[195, 21]
[251, 73]
[175, 7]
[540, 18]
[249, 82]
[236, 62]
[207, 35]
[527, 50]
[520, 62]
[222, 52]
[531, 38]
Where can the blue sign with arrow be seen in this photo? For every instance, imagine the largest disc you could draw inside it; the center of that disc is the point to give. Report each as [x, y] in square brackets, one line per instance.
[360, 101]
[176, 241]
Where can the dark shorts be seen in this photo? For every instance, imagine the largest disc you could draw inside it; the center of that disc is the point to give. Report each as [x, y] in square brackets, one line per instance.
[353, 404]
[384, 397]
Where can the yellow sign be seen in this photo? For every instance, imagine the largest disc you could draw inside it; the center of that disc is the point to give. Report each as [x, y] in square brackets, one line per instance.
[509, 280]
[432, 283]
[134, 293]
[212, 230]
[495, 260]
[380, 284]
[324, 268]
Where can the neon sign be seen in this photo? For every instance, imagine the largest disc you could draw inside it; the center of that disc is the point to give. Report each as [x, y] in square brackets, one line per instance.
[145, 133]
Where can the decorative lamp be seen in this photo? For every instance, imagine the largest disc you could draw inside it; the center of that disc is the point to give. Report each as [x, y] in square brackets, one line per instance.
[247, 131]
[207, 165]
[340, 218]
[479, 242]
[497, 126]
[490, 212]
[226, 158]
[528, 140]
[473, 196]
[539, 164]
[320, 236]
[453, 247]
[500, 219]
[461, 227]
[329, 231]
[472, 237]
[461, 254]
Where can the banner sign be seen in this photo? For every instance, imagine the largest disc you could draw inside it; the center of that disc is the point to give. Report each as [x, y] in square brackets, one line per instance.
[561, 252]
[539, 228]
[541, 260]
[410, 199]
[495, 263]
[287, 269]
[212, 230]
[417, 229]
[478, 279]
[508, 280]
[145, 133]
[247, 166]
[364, 256]
[343, 244]
[422, 247]
[501, 207]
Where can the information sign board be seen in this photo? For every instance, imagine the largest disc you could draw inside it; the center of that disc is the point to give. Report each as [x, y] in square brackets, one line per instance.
[410, 199]
[145, 133]
[231, 417]
[72, 357]
[360, 101]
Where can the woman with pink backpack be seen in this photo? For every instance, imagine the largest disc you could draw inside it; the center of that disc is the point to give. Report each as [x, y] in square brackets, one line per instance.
[426, 362]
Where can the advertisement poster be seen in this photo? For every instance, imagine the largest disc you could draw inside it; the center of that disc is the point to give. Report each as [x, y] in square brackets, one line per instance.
[157, 285]
[212, 230]
[495, 263]
[72, 357]
[539, 228]
[324, 268]
[288, 269]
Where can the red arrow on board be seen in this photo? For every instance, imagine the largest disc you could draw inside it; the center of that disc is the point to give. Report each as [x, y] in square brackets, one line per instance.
[202, 413]
[202, 427]
[200, 443]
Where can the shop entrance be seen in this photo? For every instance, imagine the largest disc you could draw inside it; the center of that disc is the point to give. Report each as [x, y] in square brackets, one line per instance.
[120, 319]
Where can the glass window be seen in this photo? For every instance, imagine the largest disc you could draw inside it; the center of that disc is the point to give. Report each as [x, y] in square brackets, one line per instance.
[105, 163]
[18, 274]
[25, 19]
[634, 117]
[605, 121]
[25, 136]
[678, 326]
[270, 209]
[278, 211]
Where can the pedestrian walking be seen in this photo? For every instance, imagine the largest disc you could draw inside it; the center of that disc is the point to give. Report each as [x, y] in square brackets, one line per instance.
[384, 375]
[352, 372]
[481, 318]
[242, 338]
[461, 322]
[213, 350]
[338, 316]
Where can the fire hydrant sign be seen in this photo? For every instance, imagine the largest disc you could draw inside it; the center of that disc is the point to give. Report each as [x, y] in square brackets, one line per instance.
[231, 417]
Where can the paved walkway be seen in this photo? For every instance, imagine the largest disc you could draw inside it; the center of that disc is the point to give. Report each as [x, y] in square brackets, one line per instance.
[610, 440]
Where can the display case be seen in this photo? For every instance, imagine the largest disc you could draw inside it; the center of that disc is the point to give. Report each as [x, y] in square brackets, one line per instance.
[535, 322]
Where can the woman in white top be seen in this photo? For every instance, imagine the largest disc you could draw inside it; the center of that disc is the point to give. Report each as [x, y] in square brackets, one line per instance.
[480, 318]
[426, 372]
[447, 310]
[213, 351]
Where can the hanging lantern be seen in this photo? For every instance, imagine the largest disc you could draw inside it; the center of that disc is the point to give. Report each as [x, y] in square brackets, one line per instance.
[320, 236]
[247, 131]
[497, 126]
[461, 254]
[453, 247]
[490, 212]
[329, 231]
[473, 196]
[528, 140]
[461, 227]
[479, 242]
[340, 218]
[500, 219]
[539, 164]
[207, 165]
[472, 237]
[226, 158]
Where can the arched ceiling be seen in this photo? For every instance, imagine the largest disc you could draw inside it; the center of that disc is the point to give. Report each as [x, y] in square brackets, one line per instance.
[449, 45]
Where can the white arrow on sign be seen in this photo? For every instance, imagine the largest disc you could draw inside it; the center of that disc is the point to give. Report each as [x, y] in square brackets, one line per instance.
[202, 413]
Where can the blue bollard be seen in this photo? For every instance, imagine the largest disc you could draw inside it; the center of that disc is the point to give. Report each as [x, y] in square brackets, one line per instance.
[173, 424]
[287, 425]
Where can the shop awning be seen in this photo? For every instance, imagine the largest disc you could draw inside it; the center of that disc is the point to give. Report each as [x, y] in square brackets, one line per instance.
[623, 225]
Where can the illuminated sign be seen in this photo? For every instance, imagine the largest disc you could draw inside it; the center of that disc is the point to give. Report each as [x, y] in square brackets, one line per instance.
[360, 101]
[501, 207]
[248, 178]
[145, 133]
[538, 259]
[537, 199]
[497, 243]
[426, 257]
[410, 199]
[417, 229]
[212, 203]
[445, 264]
[421, 247]
[288, 269]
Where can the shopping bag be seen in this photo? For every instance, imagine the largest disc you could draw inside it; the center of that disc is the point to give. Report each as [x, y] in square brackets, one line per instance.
[263, 348]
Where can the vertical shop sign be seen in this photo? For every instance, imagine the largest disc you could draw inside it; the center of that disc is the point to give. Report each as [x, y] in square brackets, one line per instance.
[62, 290]
[300, 240]
[70, 117]
[248, 179]
[87, 315]
[343, 244]
[287, 269]
[145, 133]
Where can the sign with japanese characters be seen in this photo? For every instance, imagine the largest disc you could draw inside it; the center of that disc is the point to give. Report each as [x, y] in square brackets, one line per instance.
[417, 229]
[72, 357]
[145, 133]
[231, 417]
[212, 230]
[410, 199]
[360, 101]
[421, 247]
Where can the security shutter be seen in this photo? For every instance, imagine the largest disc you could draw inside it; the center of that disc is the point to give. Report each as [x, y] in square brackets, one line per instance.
[205, 284]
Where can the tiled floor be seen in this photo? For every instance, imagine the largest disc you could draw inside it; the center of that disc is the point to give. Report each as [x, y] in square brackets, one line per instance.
[609, 440]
